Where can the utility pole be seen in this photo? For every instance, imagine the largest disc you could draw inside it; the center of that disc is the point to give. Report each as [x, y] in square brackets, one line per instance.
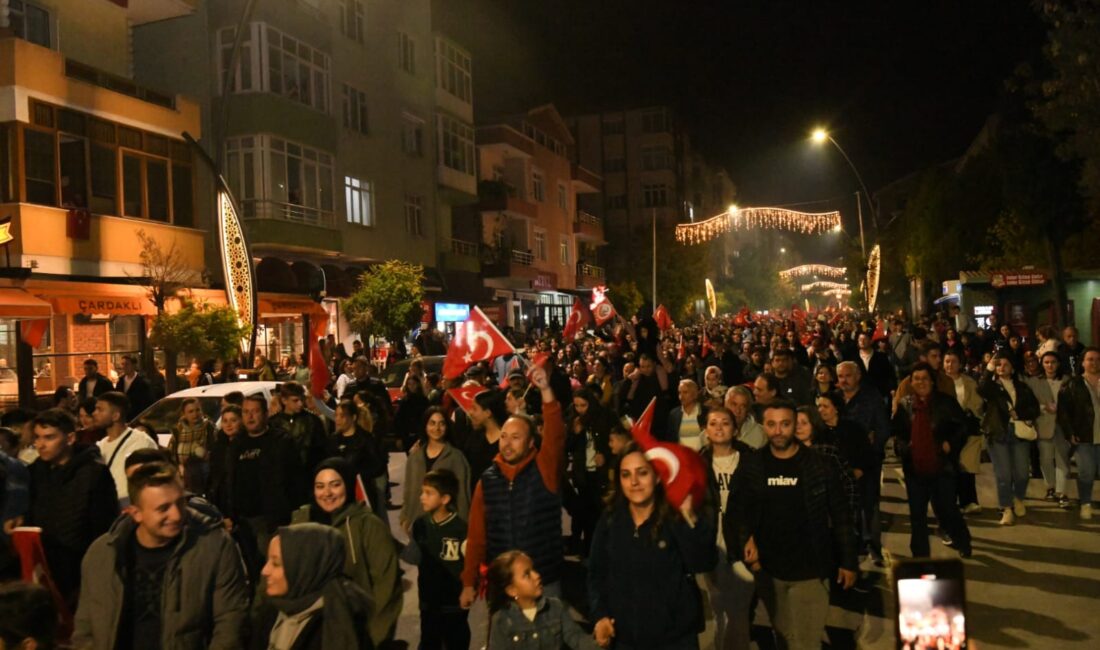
[654, 210]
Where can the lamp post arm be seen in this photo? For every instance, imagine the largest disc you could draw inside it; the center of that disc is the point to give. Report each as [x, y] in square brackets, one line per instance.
[862, 185]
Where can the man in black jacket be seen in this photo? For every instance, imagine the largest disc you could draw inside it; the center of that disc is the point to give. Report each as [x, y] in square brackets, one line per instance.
[92, 384]
[136, 387]
[304, 428]
[1077, 405]
[793, 528]
[929, 428]
[877, 370]
[73, 497]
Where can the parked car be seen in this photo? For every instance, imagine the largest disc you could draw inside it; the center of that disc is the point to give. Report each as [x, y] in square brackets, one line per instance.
[394, 375]
[164, 414]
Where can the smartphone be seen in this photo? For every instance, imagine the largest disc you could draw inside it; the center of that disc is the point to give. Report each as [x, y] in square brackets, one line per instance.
[931, 604]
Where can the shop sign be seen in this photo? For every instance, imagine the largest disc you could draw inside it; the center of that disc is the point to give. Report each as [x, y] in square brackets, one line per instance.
[545, 281]
[425, 311]
[110, 306]
[1001, 280]
[492, 312]
[450, 312]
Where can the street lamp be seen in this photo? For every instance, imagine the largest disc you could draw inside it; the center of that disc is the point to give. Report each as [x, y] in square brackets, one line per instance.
[821, 136]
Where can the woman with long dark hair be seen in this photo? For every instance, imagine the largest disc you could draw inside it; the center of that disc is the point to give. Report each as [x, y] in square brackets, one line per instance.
[435, 451]
[1009, 405]
[588, 428]
[641, 584]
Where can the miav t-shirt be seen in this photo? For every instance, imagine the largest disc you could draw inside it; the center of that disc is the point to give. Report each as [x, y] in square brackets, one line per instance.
[785, 529]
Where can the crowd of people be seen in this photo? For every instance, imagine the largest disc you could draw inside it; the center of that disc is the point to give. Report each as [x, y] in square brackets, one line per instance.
[268, 527]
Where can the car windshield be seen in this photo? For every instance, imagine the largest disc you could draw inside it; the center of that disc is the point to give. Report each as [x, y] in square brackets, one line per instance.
[163, 415]
[393, 375]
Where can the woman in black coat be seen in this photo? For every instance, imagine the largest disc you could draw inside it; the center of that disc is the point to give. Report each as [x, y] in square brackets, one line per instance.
[588, 427]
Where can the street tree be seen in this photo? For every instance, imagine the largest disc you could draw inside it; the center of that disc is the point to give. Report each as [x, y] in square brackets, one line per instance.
[387, 302]
[197, 330]
[626, 297]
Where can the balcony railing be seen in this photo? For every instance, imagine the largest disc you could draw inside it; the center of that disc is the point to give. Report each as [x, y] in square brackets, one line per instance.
[522, 258]
[590, 271]
[262, 209]
[588, 218]
[94, 76]
[464, 248]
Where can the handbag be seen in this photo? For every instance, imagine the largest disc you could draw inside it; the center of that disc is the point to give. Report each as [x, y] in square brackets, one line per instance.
[1023, 430]
[970, 457]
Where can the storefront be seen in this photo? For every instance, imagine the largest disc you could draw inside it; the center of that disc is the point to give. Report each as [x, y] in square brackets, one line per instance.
[285, 321]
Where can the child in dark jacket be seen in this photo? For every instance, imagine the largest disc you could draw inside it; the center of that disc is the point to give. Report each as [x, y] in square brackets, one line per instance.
[521, 616]
[437, 541]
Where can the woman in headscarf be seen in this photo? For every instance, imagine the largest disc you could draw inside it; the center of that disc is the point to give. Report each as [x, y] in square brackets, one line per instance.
[308, 602]
[371, 554]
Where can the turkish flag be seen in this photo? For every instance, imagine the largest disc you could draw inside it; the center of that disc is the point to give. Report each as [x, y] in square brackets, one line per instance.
[32, 331]
[27, 542]
[578, 318]
[464, 396]
[475, 340]
[664, 321]
[602, 309]
[538, 361]
[319, 373]
[681, 351]
[742, 318]
[705, 349]
[880, 331]
[361, 491]
[681, 470]
[512, 365]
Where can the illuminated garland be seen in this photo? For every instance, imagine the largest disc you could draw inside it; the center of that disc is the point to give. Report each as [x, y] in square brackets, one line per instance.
[823, 286]
[874, 269]
[806, 270]
[837, 293]
[744, 218]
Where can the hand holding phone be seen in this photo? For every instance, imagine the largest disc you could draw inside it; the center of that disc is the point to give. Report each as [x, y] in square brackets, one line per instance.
[931, 604]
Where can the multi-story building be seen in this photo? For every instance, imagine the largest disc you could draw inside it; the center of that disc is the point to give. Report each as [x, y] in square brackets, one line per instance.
[90, 160]
[344, 131]
[540, 247]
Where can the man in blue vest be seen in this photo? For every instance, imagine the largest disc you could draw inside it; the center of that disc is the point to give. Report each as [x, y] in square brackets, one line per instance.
[517, 503]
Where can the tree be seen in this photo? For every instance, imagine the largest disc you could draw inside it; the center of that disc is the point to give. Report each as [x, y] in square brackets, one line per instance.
[626, 297]
[164, 275]
[197, 330]
[387, 302]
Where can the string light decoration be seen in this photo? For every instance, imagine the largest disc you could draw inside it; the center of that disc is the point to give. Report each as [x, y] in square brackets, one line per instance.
[820, 270]
[874, 269]
[837, 293]
[807, 223]
[822, 286]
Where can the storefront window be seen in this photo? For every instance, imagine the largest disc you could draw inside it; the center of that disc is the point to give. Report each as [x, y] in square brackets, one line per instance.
[124, 337]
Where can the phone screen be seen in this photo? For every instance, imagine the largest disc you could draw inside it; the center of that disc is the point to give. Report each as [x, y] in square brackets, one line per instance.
[931, 613]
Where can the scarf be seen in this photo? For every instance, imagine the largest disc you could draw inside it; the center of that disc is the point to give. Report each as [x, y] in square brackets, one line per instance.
[925, 456]
[313, 560]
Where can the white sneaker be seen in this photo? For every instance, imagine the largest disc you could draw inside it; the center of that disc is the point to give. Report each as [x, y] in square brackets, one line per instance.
[1086, 511]
[1007, 517]
[971, 508]
[1019, 508]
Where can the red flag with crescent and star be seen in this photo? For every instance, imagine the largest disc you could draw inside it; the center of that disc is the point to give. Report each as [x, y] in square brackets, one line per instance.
[681, 470]
[475, 340]
[578, 318]
[602, 309]
[464, 396]
[664, 321]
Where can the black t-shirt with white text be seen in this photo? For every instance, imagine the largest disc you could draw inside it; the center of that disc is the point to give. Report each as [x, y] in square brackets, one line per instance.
[784, 530]
[145, 573]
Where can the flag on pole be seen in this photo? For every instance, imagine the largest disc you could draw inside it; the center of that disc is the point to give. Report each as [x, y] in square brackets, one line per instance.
[602, 309]
[664, 321]
[880, 331]
[705, 349]
[680, 469]
[578, 318]
[681, 350]
[475, 340]
[361, 491]
[512, 365]
[319, 373]
[465, 395]
[27, 542]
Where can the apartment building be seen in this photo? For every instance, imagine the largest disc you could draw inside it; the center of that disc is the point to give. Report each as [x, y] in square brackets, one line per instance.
[344, 131]
[540, 247]
[90, 160]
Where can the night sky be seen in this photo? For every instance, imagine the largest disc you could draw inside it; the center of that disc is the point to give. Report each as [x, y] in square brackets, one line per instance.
[902, 85]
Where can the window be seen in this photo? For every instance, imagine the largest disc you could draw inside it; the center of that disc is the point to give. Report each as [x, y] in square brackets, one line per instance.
[654, 122]
[351, 19]
[273, 62]
[355, 109]
[414, 211]
[406, 53]
[30, 22]
[453, 70]
[563, 198]
[456, 145]
[538, 187]
[617, 202]
[654, 196]
[654, 158]
[412, 135]
[540, 244]
[563, 250]
[614, 165]
[274, 178]
[39, 161]
[360, 201]
[613, 126]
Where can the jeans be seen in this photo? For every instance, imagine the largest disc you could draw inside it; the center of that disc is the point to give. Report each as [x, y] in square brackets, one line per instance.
[1088, 469]
[870, 491]
[1012, 469]
[798, 610]
[441, 630]
[939, 490]
[730, 596]
[1054, 462]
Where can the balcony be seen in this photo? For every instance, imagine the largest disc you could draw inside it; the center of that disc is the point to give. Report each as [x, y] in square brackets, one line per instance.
[96, 77]
[498, 196]
[511, 142]
[585, 181]
[588, 227]
[272, 225]
[589, 275]
[508, 263]
[462, 256]
[140, 12]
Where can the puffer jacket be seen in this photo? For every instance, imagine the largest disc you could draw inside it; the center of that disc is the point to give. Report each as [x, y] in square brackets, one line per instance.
[1076, 416]
[552, 629]
[370, 562]
[204, 598]
[997, 421]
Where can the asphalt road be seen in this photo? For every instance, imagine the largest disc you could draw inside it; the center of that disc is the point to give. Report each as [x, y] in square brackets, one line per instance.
[1032, 585]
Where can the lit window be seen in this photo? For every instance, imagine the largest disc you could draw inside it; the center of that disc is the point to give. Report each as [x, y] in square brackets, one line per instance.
[540, 245]
[360, 201]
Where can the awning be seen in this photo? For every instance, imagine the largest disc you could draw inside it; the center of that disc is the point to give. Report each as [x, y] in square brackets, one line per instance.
[120, 305]
[433, 280]
[281, 306]
[17, 303]
[951, 297]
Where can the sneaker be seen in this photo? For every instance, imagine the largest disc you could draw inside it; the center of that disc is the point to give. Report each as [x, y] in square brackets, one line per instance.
[1063, 501]
[1086, 511]
[947, 541]
[971, 508]
[966, 552]
[1019, 508]
[1008, 517]
[1050, 495]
